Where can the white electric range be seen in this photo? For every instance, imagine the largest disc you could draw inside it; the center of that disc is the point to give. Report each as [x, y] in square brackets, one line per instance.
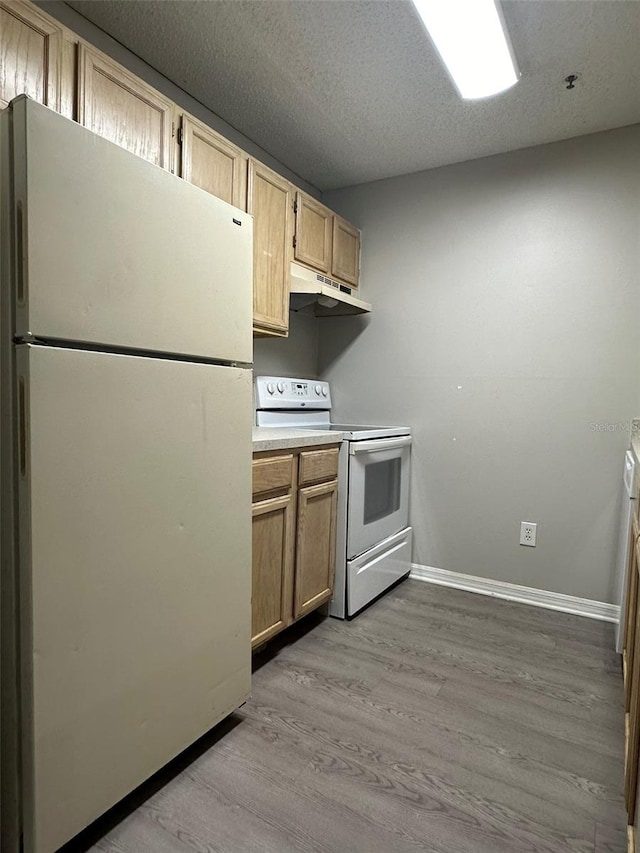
[373, 541]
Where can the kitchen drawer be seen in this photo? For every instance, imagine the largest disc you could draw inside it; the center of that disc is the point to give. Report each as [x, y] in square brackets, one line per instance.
[318, 465]
[272, 472]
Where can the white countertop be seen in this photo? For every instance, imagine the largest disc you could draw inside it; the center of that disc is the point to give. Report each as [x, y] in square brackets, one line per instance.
[281, 438]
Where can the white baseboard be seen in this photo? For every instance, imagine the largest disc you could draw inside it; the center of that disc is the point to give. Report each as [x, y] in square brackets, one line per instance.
[514, 592]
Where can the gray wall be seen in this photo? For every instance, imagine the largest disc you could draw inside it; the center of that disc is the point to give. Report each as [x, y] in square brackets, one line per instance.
[295, 356]
[506, 296]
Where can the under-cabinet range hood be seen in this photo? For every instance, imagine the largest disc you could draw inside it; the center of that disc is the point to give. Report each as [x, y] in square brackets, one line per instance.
[316, 293]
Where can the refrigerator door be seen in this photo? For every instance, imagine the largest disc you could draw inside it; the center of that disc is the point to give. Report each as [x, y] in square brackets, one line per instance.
[112, 250]
[135, 571]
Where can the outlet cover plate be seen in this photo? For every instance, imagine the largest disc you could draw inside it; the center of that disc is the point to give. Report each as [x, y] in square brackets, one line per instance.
[528, 531]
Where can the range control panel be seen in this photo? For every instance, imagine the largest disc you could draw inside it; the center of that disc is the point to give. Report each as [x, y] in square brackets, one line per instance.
[279, 392]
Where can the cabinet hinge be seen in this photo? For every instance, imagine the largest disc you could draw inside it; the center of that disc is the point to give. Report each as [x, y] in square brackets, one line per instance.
[180, 135]
[295, 242]
[173, 129]
[295, 206]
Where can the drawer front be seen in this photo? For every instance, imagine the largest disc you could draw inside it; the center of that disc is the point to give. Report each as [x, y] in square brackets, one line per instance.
[272, 473]
[318, 465]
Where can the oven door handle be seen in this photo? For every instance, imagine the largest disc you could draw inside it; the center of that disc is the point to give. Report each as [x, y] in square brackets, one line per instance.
[378, 445]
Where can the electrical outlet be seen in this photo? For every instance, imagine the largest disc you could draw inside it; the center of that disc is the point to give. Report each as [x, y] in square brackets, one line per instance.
[528, 531]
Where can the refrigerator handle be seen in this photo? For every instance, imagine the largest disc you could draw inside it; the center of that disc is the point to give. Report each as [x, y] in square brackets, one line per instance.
[22, 425]
[21, 244]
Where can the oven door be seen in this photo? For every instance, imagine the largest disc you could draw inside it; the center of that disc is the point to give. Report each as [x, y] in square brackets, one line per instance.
[378, 502]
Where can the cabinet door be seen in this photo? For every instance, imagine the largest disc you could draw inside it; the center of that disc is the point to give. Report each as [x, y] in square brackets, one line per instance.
[212, 163]
[316, 546]
[345, 261]
[629, 642]
[631, 605]
[270, 203]
[30, 54]
[115, 104]
[632, 722]
[312, 244]
[272, 562]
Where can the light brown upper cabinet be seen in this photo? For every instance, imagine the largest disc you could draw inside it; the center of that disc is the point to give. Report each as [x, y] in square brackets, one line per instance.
[325, 241]
[211, 162]
[30, 54]
[119, 106]
[69, 84]
[314, 223]
[270, 201]
[345, 263]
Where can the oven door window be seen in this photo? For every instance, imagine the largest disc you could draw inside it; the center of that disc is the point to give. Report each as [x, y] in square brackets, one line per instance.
[381, 489]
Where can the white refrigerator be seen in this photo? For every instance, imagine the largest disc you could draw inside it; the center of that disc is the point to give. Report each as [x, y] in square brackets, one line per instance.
[125, 367]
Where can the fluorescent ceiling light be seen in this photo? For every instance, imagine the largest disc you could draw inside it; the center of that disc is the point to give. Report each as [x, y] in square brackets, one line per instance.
[472, 40]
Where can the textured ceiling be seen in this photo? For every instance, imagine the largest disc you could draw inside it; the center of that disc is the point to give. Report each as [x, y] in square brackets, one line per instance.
[346, 91]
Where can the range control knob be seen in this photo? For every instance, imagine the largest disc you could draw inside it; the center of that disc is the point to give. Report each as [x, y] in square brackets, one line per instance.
[281, 387]
[271, 387]
[318, 390]
[324, 391]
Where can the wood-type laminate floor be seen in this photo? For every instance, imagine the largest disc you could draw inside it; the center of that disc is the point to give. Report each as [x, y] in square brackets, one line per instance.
[437, 720]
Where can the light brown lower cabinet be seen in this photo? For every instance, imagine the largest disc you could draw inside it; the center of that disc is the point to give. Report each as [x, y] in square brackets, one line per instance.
[295, 496]
[632, 730]
[315, 546]
[630, 622]
[272, 526]
[631, 674]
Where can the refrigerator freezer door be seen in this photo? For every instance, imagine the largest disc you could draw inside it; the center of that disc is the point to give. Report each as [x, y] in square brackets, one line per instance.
[135, 572]
[117, 252]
